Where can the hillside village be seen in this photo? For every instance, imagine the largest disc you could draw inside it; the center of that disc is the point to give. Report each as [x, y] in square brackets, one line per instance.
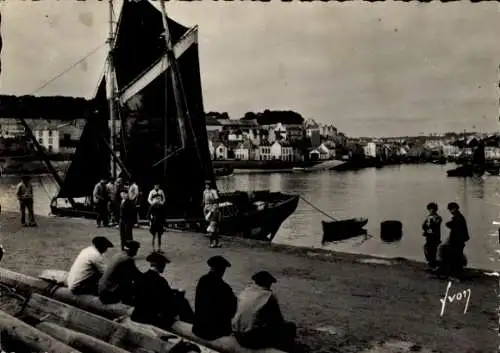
[57, 123]
[250, 139]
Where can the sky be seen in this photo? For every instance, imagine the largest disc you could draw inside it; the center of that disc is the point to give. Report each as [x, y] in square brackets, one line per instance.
[371, 69]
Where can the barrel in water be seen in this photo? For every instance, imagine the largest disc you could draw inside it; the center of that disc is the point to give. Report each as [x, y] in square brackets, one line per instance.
[391, 231]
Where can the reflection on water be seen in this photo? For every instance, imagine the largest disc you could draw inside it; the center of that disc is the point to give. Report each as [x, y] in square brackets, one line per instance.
[399, 192]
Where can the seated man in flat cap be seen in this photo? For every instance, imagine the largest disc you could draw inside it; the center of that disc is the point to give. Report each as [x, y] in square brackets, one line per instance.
[89, 266]
[117, 283]
[155, 303]
[215, 302]
[258, 322]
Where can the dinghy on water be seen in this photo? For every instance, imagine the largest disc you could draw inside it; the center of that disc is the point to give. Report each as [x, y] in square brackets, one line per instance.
[343, 229]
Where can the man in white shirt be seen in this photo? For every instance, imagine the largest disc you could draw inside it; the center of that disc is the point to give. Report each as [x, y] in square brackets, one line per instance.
[156, 195]
[133, 194]
[88, 268]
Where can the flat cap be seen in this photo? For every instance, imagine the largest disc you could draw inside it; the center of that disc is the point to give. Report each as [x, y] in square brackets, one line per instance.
[102, 242]
[132, 245]
[263, 277]
[218, 262]
[156, 258]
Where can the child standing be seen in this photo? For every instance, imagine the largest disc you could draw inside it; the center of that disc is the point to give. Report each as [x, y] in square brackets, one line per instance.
[432, 233]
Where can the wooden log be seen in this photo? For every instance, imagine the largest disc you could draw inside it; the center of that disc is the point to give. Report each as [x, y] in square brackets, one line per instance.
[93, 305]
[31, 338]
[41, 307]
[84, 343]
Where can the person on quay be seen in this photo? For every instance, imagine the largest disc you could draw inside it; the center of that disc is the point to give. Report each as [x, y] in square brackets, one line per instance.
[117, 284]
[156, 223]
[101, 198]
[156, 303]
[212, 213]
[88, 268]
[133, 195]
[127, 219]
[111, 191]
[452, 252]
[258, 322]
[432, 234]
[156, 196]
[120, 188]
[215, 302]
[24, 193]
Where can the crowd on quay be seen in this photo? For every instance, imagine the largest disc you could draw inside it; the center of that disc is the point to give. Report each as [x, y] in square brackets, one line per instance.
[117, 202]
[253, 317]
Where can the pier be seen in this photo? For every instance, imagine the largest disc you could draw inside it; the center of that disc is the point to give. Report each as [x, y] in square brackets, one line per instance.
[340, 302]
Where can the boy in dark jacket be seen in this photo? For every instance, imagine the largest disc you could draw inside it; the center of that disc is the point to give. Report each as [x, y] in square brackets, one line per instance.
[432, 234]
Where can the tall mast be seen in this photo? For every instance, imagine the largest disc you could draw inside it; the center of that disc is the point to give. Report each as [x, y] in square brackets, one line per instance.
[180, 103]
[177, 98]
[110, 85]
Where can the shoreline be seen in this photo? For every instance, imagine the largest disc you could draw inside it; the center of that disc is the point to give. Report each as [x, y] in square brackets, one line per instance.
[341, 302]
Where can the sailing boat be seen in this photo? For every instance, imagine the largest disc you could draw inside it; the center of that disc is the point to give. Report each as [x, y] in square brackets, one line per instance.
[160, 128]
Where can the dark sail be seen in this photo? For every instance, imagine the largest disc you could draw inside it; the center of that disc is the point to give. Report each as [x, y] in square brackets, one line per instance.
[91, 160]
[139, 45]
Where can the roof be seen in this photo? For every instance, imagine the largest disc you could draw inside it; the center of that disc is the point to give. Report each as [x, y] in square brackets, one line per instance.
[46, 125]
[284, 143]
[210, 120]
[247, 145]
[311, 123]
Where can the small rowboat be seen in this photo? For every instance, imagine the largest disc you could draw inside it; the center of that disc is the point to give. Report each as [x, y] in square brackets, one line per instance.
[343, 229]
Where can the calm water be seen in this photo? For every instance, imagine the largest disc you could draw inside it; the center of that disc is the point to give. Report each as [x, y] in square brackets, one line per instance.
[399, 192]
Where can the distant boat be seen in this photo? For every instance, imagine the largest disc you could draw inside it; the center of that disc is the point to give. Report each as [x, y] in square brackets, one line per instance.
[225, 171]
[343, 229]
[476, 168]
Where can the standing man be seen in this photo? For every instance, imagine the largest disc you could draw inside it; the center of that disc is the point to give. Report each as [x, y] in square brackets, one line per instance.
[432, 234]
[111, 191]
[133, 195]
[100, 196]
[211, 212]
[215, 302]
[452, 251]
[24, 193]
[127, 219]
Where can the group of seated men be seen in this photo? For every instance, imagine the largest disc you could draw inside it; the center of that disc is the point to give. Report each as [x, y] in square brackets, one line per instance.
[254, 317]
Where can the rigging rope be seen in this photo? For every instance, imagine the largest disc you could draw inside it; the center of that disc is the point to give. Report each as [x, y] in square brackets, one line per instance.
[69, 68]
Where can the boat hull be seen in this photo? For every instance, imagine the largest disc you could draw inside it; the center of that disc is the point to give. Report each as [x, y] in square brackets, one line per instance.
[243, 219]
[344, 229]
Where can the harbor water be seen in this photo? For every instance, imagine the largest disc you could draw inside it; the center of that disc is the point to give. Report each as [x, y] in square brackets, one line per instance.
[391, 193]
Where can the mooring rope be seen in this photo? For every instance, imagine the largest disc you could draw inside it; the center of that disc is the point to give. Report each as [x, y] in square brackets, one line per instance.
[317, 208]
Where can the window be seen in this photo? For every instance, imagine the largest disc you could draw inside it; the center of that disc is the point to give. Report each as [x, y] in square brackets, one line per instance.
[51, 140]
[50, 132]
[40, 141]
[50, 148]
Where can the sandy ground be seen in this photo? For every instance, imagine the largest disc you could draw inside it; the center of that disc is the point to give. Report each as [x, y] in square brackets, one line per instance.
[339, 303]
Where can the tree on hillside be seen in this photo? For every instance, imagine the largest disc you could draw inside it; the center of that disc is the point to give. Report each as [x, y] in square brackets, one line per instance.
[269, 117]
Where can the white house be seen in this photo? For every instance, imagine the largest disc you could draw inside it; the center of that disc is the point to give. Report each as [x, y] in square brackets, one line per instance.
[282, 151]
[246, 151]
[221, 151]
[264, 151]
[370, 149]
[47, 135]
